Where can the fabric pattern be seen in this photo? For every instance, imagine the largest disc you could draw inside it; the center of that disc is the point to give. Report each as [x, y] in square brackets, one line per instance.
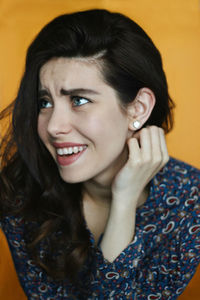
[158, 264]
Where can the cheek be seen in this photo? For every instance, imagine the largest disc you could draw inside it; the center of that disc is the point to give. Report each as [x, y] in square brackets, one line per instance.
[107, 129]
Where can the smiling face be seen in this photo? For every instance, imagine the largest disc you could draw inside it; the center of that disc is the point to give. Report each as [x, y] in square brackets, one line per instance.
[81, 122]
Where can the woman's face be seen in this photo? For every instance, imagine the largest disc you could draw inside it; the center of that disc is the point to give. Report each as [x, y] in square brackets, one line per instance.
[80, 121]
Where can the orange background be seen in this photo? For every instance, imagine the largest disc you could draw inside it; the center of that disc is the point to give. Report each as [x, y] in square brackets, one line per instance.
[174, 26]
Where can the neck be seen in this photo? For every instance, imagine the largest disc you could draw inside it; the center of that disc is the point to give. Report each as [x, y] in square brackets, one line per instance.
[99, 188]
[102, 195]
[97, 192]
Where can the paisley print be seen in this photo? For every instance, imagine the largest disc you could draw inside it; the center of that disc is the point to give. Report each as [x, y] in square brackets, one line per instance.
[154, 297]
[165, 215]
[149, 228]
[111, 275]
[190, 201]
[157, 264]
[194, 192]
[172, 200]
[194, 229]
[169, 227]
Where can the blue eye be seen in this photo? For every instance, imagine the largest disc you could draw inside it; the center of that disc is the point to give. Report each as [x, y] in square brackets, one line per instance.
[78, 101]
[44, 103]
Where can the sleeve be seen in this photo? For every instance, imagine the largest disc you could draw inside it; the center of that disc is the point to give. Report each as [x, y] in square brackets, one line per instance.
[190, 245]
[116, 279]
[188, 249]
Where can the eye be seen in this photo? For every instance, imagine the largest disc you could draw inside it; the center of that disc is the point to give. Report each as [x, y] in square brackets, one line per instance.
[78, 101]
[44, 103]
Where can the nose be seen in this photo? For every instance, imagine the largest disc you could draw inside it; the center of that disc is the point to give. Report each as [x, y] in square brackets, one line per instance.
[60, 122]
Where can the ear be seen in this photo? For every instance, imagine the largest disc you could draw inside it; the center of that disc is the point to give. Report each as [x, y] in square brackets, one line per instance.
[140, 109]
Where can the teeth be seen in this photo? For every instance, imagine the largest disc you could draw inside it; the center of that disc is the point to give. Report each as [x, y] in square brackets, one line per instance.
[75, 149]
[65, 151]
[70, 150]
[60, 151]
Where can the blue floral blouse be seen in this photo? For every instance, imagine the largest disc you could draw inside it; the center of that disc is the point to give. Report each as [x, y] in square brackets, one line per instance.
[157, 264]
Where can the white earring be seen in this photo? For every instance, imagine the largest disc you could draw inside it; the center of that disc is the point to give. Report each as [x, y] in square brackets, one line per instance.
[136, 124]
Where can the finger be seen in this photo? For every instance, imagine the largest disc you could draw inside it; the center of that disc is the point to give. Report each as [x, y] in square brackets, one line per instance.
[137, 134]
[156, 146]
[163, 149]
[146, 144]
[163, 144]
[134, 150]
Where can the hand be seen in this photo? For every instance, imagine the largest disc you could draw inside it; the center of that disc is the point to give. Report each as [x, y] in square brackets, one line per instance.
[147, 155]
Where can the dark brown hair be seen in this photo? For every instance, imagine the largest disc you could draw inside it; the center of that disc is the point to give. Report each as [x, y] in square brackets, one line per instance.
[29, 180]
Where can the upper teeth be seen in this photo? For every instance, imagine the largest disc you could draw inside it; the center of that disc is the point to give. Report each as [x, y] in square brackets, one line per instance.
[69, 150]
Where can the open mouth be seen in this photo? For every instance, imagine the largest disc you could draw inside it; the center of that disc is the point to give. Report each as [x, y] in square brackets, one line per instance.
[70, 150]
[66, 156]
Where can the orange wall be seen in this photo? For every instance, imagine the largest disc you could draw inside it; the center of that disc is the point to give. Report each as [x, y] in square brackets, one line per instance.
[174, 26]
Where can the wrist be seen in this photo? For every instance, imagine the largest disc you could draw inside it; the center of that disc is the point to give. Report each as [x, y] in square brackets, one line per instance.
[124, 201]
[120, 207]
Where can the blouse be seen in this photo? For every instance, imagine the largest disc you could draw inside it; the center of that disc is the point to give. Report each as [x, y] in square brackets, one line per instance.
[157, 264]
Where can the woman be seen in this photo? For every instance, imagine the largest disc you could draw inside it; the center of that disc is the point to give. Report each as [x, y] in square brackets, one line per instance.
[92, 206]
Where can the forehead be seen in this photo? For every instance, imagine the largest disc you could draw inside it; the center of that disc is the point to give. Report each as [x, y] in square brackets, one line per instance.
[71, 71]
[77, 74]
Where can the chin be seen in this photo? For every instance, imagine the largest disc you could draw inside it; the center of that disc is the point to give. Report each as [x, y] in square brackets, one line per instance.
[76, 178]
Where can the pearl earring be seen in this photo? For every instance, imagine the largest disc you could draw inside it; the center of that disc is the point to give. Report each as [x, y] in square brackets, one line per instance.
[136, 124]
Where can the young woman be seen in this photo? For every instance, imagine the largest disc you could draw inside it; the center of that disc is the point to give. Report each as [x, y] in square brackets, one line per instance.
[92, 207]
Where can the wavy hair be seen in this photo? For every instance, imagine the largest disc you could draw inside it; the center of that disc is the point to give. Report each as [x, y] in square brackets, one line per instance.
[30, 183]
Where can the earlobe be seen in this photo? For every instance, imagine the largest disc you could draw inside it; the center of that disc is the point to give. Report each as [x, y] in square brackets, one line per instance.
[140, 109]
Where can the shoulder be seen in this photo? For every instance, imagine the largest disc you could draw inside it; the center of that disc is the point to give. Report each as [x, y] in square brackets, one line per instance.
[182, 169]
[179, 177]
[179, 169]
[176, 193]
[176, 188]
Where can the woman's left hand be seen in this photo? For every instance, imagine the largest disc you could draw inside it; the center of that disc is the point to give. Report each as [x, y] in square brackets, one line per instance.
[147, 155]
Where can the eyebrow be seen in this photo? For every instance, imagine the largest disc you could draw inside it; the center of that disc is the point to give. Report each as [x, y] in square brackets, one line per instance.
[79, 90]
[43, 92]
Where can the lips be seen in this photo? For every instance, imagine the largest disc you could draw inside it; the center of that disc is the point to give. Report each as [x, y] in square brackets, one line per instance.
[65, 160]
[66, 145]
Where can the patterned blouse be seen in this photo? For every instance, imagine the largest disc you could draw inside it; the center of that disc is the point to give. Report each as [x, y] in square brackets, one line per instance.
[157, 264]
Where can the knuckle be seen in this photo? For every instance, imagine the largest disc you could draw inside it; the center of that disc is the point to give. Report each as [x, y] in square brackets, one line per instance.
[132, 142]
[166, 158]
[137, 162]
[161, 130]
[157, 161]
[147, 159]
[144, 131]
[154, 128]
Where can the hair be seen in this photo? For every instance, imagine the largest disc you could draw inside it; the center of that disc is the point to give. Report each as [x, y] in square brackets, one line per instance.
[31, 186]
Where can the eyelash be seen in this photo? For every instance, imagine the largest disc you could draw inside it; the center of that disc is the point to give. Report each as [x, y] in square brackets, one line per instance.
[42, 100]
[79, 97]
